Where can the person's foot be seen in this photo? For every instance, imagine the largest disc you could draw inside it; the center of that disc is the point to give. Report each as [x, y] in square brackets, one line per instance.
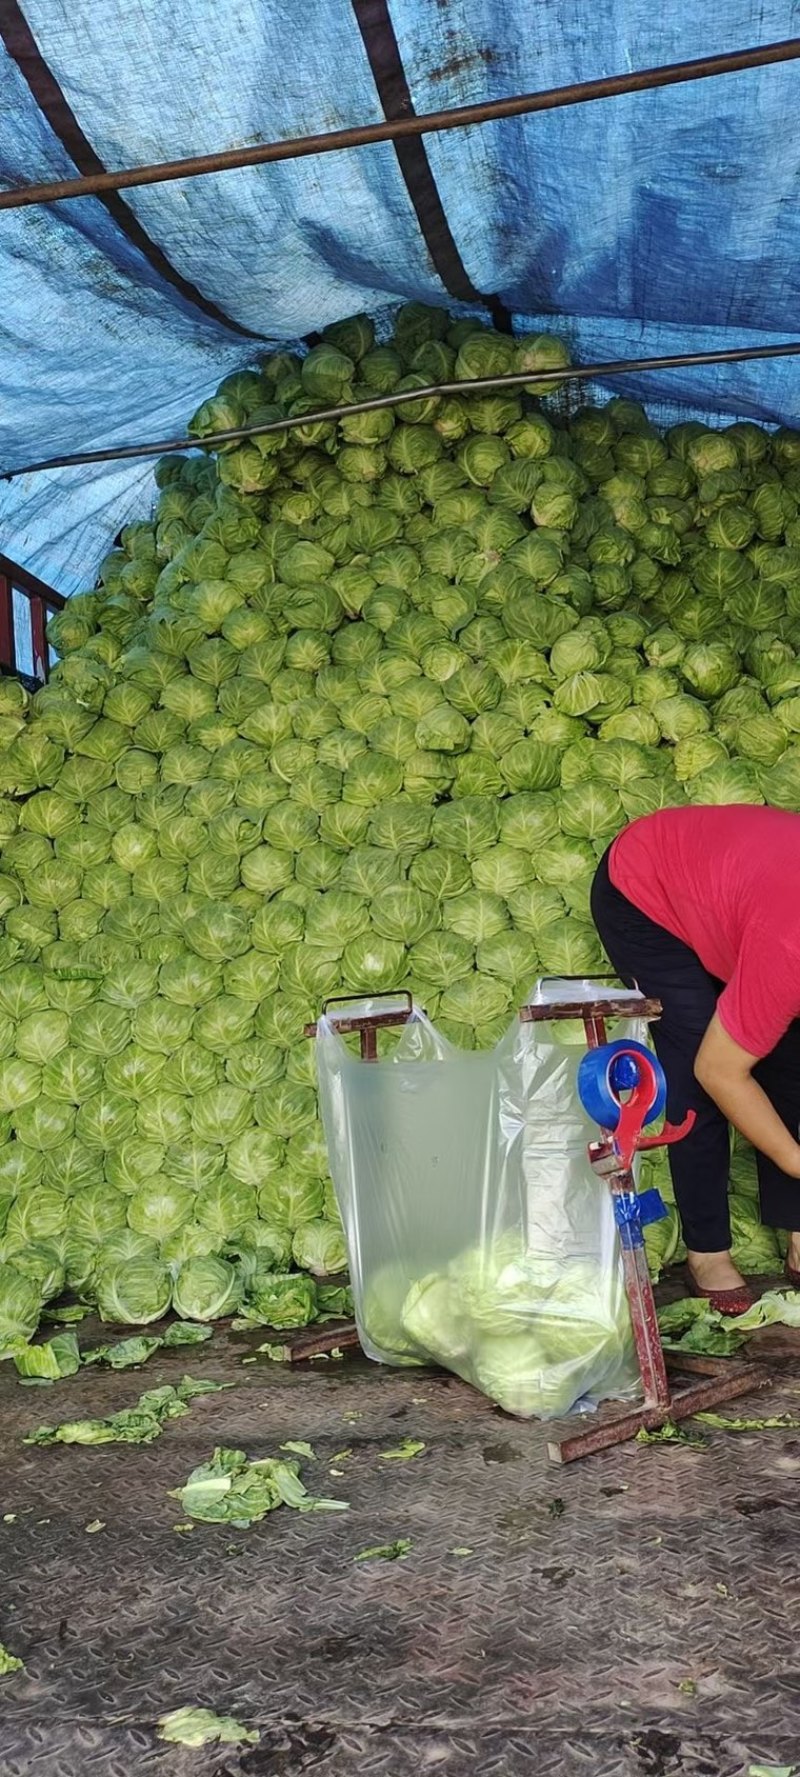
[712, 1272]
[715, 1276]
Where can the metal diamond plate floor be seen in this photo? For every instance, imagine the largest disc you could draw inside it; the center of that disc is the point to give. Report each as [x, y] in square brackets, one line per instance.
[635, 1615]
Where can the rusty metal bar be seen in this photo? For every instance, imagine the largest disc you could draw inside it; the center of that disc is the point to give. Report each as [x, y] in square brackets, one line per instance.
[592, 1010]
[696, 1399]
[397, 129]
[519, 380]
[366, 1025]
[310, 1344]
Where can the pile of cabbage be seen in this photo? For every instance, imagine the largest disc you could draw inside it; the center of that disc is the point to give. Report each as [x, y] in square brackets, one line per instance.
[536, 1335]
[356, 707]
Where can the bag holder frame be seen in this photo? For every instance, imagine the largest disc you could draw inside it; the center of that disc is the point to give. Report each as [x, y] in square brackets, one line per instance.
[661, 1405]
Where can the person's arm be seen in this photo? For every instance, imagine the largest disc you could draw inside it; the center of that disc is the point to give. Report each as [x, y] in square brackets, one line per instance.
[723, 1069]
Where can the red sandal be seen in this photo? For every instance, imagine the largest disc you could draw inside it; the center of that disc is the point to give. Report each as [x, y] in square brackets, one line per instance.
[730, 1302]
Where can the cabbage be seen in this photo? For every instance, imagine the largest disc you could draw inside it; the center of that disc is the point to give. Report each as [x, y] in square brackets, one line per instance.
[133, 1164]
[319, 1247]
[254, 1156]
[499, 1285]
[289, 1198]
[590, 810]
[661, 1240]
[206, 1288]
[754, 1248]
[225, 1205]
[38, 1213]
[281, 1300]
[433, 1321]
[221, 1114]
[536, 1334]
[380, 1317]
[514, 1372]
[41, 1261]
[20, 1305]
[159, 1207]
[134, 1290]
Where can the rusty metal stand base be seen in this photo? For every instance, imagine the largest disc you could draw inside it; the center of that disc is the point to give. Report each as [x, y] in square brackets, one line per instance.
[729, 1381]
[313, 1342]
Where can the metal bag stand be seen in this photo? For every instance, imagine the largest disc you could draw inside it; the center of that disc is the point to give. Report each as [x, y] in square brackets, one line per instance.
[607, 1071]
[365, 1024]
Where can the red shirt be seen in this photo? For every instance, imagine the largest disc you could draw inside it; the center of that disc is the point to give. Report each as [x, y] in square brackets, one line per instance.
[727, 882]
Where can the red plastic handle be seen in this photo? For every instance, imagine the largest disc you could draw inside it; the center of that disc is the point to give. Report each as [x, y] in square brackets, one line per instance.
[628, 1139]
[671, 1132]
[634, 1111]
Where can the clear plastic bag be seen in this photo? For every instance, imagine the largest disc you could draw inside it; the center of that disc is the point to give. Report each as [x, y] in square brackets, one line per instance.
[477, 1233]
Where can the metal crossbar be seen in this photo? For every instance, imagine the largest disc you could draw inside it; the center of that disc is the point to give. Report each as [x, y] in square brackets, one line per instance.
[397, 129]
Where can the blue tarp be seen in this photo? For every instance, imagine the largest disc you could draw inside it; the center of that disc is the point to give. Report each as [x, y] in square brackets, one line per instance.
[664, 221]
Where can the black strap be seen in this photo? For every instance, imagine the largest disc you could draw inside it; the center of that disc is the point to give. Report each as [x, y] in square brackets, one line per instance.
[383, 52]
[22, 47]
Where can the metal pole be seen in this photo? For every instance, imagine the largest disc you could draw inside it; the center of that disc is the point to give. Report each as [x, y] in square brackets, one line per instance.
[396, 129]
[520, 379]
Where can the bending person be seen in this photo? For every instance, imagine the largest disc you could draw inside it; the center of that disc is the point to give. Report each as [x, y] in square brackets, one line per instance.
[701, 908]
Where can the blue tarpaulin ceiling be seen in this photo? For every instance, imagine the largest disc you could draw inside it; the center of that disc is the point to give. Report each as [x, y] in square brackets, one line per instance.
[661, 221]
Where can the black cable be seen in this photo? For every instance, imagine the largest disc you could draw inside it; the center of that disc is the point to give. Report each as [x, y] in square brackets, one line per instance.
[519, 379]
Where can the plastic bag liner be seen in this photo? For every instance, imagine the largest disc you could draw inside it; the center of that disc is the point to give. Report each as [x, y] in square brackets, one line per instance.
[478, 1235]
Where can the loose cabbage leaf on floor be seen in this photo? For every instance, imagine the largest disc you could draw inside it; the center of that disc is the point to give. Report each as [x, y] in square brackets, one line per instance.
[139, 1424]
[198, 1727]
[396, 1551]
[60, 1356]
[49, 1361]
[672, 1434]
[9, 1662]
[691, 1325]
[231, 1489]
[139, 1347]
[775, 1307]
[70, 1315]
[777, 1422]
[126, 1354]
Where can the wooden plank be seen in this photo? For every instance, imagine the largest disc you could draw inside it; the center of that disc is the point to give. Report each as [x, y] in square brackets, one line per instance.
[8, 652]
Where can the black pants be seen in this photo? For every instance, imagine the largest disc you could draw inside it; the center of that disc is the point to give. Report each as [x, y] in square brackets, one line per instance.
[667, 970]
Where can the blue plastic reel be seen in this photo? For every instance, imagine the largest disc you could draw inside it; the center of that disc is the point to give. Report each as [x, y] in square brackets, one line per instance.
[606, 1072]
